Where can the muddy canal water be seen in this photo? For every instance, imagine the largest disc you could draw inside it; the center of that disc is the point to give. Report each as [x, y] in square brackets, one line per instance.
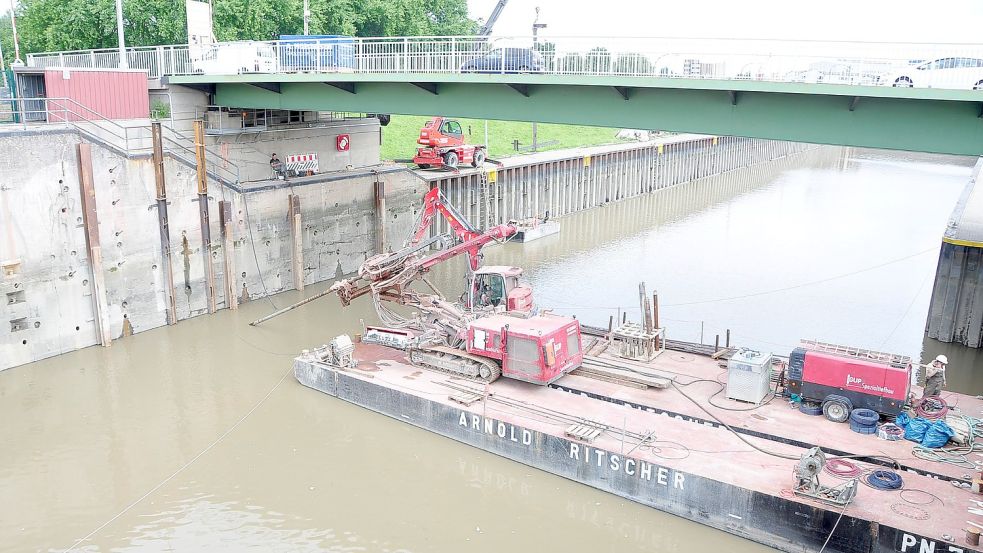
[197, 438]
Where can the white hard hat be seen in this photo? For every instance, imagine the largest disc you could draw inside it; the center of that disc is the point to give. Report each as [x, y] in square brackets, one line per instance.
[942, 359]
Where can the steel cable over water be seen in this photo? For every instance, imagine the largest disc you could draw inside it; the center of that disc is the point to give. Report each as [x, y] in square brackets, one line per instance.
[183, 467]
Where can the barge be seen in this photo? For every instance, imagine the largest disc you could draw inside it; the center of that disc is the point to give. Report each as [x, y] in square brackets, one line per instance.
[675, 448]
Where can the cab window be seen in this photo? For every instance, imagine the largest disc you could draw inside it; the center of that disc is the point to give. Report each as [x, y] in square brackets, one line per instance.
[489, 290]
[452, 127]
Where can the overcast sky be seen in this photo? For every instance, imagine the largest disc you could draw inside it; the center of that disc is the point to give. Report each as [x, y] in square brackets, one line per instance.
[865, 20]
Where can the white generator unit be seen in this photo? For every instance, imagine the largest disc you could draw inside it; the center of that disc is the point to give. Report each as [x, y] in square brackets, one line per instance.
[749, 376]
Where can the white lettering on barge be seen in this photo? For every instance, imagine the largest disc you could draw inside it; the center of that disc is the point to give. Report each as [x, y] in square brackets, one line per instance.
[912, 544]
[580, 452]
[631, 467]
[491, 427]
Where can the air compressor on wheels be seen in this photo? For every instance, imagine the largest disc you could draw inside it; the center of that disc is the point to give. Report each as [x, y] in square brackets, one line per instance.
[849, 383]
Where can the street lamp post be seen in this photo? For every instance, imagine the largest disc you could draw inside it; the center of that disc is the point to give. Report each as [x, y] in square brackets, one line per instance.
[13, 26]
[535, 39]
[307, 17]
[123, 63]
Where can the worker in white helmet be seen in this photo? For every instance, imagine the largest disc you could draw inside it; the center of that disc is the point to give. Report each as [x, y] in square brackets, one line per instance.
[935, 376]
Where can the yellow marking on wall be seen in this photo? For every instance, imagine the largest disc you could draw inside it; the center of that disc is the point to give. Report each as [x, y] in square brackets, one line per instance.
[661, 146]
[586, 161]
[493, 176]
[957, 242]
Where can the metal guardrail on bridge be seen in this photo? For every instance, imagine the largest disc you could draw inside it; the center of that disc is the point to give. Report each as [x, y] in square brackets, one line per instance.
[947, 66]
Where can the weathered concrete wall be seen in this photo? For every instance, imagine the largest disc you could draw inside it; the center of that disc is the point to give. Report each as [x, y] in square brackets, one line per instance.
[46, 283]
[251, 150]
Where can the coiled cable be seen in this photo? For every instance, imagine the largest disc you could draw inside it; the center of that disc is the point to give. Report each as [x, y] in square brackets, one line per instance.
[884, 480]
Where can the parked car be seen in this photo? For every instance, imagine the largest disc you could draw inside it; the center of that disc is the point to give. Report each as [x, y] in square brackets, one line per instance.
[229, 58]
[505, 60]
[959, 73]
[826, 72]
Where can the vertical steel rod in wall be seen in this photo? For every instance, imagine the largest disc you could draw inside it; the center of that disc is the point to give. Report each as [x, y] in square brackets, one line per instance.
[164, 224]
[206, 233]
[90, 224]
[225, 222]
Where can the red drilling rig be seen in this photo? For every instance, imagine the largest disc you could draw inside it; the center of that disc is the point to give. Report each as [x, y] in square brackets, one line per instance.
[494, 329]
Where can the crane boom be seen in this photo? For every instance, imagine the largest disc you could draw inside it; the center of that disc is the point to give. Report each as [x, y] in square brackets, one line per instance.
[486, 29]
[388, 277]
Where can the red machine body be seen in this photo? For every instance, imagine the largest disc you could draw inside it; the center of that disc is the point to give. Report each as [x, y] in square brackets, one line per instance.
[494, 332]
[442, 142]
[537, 349]
[867, 383]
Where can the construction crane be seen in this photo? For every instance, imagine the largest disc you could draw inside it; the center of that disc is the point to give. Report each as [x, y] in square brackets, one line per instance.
[486, 29]
[491, 331]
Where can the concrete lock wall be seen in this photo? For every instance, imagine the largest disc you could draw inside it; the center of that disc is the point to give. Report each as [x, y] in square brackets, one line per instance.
[250, 149]
[48, 277]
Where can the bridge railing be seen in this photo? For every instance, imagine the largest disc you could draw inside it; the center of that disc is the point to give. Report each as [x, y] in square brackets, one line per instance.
[955, 66]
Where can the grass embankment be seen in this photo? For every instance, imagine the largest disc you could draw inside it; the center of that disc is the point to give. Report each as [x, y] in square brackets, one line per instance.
[399, 137]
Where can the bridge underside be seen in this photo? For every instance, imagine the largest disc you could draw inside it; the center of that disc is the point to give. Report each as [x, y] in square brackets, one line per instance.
[923, 120]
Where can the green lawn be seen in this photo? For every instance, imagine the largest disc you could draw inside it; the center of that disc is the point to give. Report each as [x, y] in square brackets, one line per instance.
[399, 137]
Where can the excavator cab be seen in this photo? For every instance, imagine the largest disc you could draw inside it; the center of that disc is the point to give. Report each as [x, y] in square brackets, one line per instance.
[499, 288]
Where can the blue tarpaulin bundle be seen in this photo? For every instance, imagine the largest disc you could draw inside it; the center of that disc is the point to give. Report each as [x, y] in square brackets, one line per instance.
[930, 434]
[914, 429]
[937, 435]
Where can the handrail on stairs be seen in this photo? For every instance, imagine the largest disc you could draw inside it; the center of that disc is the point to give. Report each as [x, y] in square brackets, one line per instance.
[55, 110]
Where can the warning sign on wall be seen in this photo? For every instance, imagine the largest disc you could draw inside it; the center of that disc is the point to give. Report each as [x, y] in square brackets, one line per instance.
[344, 142]
[301, 163]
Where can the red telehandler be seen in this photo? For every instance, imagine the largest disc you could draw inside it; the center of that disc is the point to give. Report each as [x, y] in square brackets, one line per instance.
[442, 142]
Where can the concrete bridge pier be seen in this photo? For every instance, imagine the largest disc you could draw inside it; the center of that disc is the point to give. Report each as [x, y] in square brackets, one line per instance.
[956, 310]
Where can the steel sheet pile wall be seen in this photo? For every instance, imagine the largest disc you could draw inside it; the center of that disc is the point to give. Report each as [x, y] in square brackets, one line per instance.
[571, 184]
[956, 311]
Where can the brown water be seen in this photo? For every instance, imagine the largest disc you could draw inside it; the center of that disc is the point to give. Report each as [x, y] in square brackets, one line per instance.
[196, 438]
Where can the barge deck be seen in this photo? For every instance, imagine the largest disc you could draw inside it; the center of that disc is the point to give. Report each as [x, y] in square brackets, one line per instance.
[671, 452]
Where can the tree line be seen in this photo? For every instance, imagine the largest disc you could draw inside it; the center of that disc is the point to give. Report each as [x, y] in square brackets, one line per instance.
[53, 25]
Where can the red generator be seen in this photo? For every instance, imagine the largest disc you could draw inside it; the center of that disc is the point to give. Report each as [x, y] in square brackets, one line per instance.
[844, 379]
[538, 349]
